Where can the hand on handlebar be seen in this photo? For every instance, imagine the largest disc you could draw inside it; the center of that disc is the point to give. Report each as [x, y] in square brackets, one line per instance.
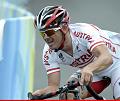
[83, 76]
[37, 94]
[41, 93]
[69, 86]
[86, 77]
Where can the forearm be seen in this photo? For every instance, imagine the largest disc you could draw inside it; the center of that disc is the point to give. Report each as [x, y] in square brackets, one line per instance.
[45, 90]
[53, 84]
[49, 89]
[101, 63]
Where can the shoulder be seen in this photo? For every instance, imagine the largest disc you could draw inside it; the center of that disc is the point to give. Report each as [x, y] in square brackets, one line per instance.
[84, 27]
[79, 25]
[48, 54]
[46, 49]
[82, 30]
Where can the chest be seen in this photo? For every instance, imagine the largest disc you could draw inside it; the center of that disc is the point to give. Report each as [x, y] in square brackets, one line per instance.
[81, 56]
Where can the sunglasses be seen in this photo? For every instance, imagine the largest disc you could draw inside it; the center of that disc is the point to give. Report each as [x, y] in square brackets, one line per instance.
[49, 32]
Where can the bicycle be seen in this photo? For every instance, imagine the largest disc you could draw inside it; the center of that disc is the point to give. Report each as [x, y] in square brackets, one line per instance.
[70, 87]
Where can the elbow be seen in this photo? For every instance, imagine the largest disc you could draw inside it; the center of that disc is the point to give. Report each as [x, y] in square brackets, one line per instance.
[109, 60]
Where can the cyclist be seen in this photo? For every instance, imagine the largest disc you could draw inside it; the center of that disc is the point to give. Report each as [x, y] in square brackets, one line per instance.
[95, 52]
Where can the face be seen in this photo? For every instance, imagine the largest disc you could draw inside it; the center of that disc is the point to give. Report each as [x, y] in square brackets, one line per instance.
[53, 38]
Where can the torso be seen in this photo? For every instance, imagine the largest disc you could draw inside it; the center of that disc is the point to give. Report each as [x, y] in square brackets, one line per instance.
[83, 41]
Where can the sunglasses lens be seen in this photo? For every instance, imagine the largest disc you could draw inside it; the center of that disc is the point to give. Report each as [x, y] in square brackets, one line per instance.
[42, 34]
[50, 32]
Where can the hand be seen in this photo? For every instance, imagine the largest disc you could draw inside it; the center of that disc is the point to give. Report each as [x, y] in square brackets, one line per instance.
[38, 92]
[45, 90]
[86, 77]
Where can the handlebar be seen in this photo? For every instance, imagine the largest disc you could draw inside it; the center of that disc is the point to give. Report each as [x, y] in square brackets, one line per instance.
[41, 97]
[67, 87]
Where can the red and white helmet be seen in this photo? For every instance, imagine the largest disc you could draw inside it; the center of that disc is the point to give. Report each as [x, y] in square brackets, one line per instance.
[51, 17]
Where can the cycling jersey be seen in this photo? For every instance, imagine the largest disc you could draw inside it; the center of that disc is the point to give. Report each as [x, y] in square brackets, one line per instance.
[85, 37]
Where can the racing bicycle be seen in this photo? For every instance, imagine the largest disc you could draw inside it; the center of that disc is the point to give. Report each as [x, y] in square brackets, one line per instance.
[70, 87]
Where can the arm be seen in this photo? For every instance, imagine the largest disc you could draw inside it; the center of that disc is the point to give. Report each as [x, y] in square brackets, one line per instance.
[103, 60]
[53, 84]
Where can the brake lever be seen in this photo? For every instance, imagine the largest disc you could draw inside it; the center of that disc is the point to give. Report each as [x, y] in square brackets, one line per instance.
[30, 95]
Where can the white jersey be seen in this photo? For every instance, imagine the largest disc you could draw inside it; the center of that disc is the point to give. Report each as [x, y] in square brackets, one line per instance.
[85, 37]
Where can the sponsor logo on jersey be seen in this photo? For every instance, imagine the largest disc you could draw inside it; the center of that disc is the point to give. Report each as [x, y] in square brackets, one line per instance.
[61, 57]
[84, 59]
[78, 49]
[84, 36]
[46, 57]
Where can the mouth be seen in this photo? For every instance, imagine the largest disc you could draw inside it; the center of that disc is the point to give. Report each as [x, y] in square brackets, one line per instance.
[49, 40]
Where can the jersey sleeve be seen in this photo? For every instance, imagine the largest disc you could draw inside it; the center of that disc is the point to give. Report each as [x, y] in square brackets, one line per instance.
[49, 60]
[92, 36]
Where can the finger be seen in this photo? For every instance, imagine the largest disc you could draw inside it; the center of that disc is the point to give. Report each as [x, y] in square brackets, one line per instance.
[36, 93]
[82, 79]
[88, 78]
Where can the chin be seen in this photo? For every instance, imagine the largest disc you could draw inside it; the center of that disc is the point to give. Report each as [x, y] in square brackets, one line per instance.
[52, 47]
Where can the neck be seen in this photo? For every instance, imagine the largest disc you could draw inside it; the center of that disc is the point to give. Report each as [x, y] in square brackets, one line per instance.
[68, 44]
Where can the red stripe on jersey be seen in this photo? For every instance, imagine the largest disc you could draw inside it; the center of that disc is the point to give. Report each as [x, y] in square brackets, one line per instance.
[97, 43]
[52, 69]
[94, 27]
[110, 41]
[53, 72]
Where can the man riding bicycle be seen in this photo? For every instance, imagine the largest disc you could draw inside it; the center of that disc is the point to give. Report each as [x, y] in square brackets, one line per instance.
[95, 52]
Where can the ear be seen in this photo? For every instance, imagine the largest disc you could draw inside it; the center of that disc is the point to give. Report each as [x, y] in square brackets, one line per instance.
[64, 27]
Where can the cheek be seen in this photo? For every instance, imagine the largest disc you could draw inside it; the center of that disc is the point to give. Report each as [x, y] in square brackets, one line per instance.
[57, 38]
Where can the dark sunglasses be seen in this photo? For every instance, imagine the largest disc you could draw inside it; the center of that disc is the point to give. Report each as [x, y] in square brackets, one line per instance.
[49, 32]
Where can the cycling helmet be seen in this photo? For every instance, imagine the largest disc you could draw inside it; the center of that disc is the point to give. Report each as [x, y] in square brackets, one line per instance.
[51, 17]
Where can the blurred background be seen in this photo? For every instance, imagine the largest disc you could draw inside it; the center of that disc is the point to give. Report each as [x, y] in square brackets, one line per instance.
[103, 13]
